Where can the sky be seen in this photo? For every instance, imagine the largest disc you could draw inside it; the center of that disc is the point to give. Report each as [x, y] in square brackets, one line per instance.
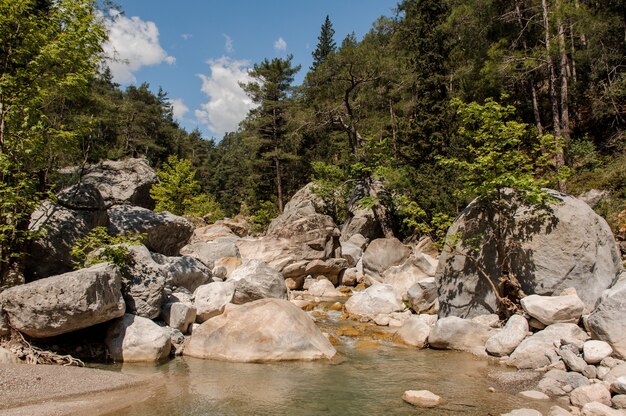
[198, 50]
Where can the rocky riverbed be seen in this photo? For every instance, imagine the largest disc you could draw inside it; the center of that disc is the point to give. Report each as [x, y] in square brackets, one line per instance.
[307, 290]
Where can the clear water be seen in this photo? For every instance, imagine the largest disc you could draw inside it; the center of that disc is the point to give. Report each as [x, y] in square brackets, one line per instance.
[370, 381]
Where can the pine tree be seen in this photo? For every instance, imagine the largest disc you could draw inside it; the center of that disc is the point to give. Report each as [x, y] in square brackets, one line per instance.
[326, 44]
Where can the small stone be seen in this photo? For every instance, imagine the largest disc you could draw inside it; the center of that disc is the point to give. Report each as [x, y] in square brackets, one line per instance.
[610, 362]
[591, 393]
[491, 390]
[595, 351]
[619, 401]
[421, 398]
[599, 409]
[602, 371]
[534, 395]
[590, 372]
[558, 411]
[382, 320]
[573, 361]
[523, 412]
[619, 385]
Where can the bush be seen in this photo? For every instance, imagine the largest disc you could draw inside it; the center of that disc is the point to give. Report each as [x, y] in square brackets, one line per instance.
[263, 216]
[109, 248]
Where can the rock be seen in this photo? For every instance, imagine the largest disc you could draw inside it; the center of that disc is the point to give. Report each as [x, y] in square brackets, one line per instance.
[383, 253]
[165, 233]
[4, 324]
[616, 372]
[211, 252]
[179, 315]
[591, 393]
[595, 351]
[136, 339]
[522, 412]
[533, 395]
[491, 320]
[324, 288]
[350, 277]
[572, 360]
[504, 342]
[619, 401]
[531, 352]
[122, 182]
[590, 371]
[263, 330]
[143, 283]
[401, 277]
[177, 339]
[257, 280]
[421, 398]
[553, 309]
[599, 409]
[593, 196]
[370, 222]
[184, 271]
[459, 334]
[558, 411]
[329, 268]
[422, 295]
[607, 321]
[7, 357]
[559, 382]
[548, 258]
[211, 233]
[413, 332]
[49, 255]
[212, 298]
[375, 300]
[351, 253]
[66, 302]
[358, 240]
[619, 385]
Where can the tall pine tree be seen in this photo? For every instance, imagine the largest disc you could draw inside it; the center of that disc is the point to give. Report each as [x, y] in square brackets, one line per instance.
[326, 43]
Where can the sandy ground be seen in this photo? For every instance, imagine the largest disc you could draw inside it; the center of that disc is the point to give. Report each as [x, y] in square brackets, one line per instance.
[56, 390]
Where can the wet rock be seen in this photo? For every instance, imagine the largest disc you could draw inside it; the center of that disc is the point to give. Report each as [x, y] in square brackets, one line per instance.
[263, 330]
[504, 342]
[212, 298]
[375, 300]
[553, 309]
[421, 398]
[136, 339]
[66, 302]
[257, 280]
[459, 334]
[580, 396]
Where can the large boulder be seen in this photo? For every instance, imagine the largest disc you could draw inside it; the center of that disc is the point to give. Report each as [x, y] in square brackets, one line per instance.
[505, 341]
[372, 221]
[122, 182]
[534, 352]
[607, 321]
[254, 280]
[208, 252]
[211, 299]
[165, 233]
[553, 309]
[375, 300]
[413, 332]
[382, 254]
[263, 330]
[143, 283]
[422, 296]
[455, 333]
[183, 271]
[136, 339]
[568, 245]
[66, 302]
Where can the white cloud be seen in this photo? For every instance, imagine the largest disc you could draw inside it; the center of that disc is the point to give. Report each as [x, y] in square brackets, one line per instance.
[186, 36]
[179, 109]
[132, 43]
[280, 45]
[228, 43]
[228, 104]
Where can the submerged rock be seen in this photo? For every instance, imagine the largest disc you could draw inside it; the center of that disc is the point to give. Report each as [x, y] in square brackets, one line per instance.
[263, 330]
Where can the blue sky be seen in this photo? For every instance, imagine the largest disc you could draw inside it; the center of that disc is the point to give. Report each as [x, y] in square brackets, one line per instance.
[197, 50]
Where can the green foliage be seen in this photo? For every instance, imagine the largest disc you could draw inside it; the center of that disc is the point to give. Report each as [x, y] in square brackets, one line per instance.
[415, 220]
[326, 44]
[263, 216]
[106, 248]
[178, 191]
[331, 185]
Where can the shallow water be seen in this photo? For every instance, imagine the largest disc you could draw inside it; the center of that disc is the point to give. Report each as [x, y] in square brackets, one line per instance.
[368, 382]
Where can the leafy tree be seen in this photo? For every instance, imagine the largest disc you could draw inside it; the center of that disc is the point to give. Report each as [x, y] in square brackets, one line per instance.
[98, 246]
[50, 49]
[267, 123]
[325, 45]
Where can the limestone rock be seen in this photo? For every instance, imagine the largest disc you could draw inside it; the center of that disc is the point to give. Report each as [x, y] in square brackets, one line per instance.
[212, 251]
[459, 334]
[166, 233]
[504, 342]
[324, 288]
[422, 296]
[401, 277]
[329, 268]
[254, 280]
[595, 351]
[211, 299]
[383, 253]
[143, 283]
[596, 392]
[559, 382]
[179, 316]
[136, 339]
[599, 409]
[375, 300]
[421, 398]
[553, 309]
[184, 271]
[531, 353]
[351, 253]
[66, 302]
[263, 330]
[607, 321]
[413, 332]
[548, 260]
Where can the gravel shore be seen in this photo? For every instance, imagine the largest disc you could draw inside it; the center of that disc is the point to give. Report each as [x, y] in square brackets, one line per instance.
[56, 390]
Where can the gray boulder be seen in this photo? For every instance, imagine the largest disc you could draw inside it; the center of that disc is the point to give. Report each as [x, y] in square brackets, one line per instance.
[143, 283]
[504, 342]
[179, 315]
[66, 302]
[453, 333]
[122, 182]
[547, 257]
[370, 222]
[382, 254]
[165, 233]
[422, 296]
[208, 252]
[254, 280]
[183, 271]
[136, 339]
[375, 300]
[413, 332]
[607, 321]
[211, 299]
[559, 382]
[553, 309]
[263, 330]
